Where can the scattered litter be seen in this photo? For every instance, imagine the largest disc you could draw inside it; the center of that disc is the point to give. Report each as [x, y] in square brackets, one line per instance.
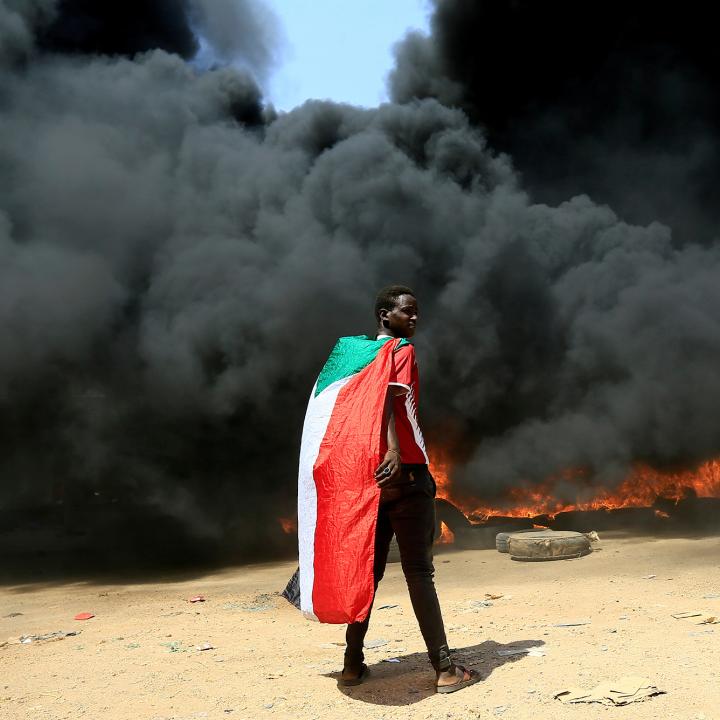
[712, 620]
[701, 632]
[387, 607]
[683, 615]
[133, 646]
[196, 599]
[624, 617]
[649, 577]
[12, 615]
[573, 623]
[260, 603]
[592, 536]
[490, 596]
[57, 635]
[480, 603]
[616, 692]
[711, 596]
[500, 709]
[174, 646]
[376, 643]
[84, 616]
[392, 660]
[204, 646]
[531, 651]
[331, 645]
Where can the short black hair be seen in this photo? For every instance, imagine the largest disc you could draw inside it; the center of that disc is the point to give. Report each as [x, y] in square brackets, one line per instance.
[387, 298]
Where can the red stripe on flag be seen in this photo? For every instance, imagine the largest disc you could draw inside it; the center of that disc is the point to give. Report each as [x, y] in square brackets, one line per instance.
[347, 496]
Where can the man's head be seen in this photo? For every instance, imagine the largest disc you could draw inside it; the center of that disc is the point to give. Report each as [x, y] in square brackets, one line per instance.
[396, 311]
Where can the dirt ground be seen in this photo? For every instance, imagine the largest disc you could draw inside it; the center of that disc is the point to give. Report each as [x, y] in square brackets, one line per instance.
[139, 656]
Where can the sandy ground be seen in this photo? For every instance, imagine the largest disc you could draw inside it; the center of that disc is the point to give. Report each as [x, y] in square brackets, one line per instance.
[139, 657]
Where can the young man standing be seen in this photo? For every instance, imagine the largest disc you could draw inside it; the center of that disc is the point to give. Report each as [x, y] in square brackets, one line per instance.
[363, 410]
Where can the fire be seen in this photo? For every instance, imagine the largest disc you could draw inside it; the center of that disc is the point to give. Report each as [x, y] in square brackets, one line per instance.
[447, 536]
[288, 525]
[641, 488]
[440, 469]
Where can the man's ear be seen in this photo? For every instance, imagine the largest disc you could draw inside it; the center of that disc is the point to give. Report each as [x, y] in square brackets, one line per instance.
[383, 318]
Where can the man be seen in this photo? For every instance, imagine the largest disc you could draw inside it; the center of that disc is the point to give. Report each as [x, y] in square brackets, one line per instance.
[363, 410]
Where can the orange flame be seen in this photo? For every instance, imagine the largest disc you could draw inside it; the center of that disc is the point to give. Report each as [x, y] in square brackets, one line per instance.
[288, 525]
[447, 536]
[641, 488]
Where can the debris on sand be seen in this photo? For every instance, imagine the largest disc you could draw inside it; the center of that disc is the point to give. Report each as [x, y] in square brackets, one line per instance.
[480, 603]
[387, 607]
[260, 603]
[376, 643]
[490, 596]
[689, 614]
[197, 599]
[204, 646]
[530, 651]
[12, 615]
[712, 620]
[84, 616]
[175, 646]
[624, 691]
[573, 623]
[47, 637]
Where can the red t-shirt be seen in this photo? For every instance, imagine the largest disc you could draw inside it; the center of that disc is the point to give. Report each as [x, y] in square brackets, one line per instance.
[405, 375]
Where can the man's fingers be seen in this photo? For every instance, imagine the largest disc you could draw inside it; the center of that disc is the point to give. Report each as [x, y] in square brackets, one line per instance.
[387, 472]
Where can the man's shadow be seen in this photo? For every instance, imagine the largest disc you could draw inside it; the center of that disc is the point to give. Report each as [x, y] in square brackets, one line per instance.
[412, 679]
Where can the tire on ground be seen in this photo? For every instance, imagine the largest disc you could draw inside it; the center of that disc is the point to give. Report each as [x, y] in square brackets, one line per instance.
[501, 539]
[549, 545]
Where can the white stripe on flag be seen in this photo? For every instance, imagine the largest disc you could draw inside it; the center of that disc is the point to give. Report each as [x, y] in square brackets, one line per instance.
[317, 417]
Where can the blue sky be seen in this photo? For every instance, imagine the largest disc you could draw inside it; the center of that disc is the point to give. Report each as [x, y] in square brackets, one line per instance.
[339, 50]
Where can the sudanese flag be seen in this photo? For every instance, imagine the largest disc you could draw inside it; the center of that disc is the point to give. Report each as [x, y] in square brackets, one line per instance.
[342, 444]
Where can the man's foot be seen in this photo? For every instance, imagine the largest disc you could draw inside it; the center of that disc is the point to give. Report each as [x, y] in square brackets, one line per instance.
[350, 677]
[456, 678]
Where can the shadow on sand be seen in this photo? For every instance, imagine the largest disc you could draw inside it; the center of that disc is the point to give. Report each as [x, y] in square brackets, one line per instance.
[412, 679]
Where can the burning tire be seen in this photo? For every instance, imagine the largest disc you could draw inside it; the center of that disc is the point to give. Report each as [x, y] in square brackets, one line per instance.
[548, 545]
[501, 539]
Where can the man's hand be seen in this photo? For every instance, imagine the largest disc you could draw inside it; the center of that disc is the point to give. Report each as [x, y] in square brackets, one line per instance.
[389, 469]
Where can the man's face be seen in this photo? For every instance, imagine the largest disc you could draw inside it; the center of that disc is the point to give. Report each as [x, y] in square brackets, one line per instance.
[402, 319]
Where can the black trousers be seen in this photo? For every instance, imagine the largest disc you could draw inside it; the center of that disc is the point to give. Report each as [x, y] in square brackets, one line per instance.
[407, 510]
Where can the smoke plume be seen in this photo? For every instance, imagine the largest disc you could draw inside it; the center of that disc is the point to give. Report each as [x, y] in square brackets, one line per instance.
[176, 261]
[617, 100]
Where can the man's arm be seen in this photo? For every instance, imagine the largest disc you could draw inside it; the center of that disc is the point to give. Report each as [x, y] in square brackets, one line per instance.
[389, 469]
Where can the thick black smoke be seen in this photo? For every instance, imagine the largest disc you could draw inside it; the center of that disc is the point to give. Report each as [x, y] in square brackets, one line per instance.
[615, 99]
[176, 262]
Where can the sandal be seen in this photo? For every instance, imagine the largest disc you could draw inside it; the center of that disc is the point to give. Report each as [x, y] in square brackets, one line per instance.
[350, 682]
[460, 684]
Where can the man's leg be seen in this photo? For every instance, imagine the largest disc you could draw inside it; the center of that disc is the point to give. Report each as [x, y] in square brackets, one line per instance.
[413, 520]
[355, 633]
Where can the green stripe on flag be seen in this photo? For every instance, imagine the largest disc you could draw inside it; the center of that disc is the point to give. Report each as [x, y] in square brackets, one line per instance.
[349, 356]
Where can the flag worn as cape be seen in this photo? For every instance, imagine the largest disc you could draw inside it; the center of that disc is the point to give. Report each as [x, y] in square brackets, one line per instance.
[342, 443]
